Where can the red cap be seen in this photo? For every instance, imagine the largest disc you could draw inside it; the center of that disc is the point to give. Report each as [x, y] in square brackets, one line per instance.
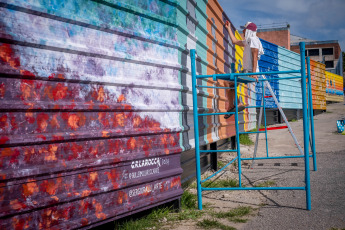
[250, 26]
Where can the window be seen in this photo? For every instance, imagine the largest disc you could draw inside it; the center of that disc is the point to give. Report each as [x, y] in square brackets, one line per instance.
[329, 64]
[327, 51]
[313, 52]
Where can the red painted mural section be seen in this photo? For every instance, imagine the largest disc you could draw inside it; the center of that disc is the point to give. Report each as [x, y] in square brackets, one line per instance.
[65, 149]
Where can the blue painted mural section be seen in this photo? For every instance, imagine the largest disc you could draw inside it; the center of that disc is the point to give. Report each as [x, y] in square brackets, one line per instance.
[268, 62]
[290, 92]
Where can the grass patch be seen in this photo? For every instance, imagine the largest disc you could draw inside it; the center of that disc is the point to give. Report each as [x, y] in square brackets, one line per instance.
[154, 219]
[245, 140]
[188, 200]
[220, 164]
[211, 224]
[221, 183]
[161, 216]
[239, 220]
[236, 212]
[267, 183]
[293, 120]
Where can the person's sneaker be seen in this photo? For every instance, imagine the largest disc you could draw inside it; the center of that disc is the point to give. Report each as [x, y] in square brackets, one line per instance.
[240, 108]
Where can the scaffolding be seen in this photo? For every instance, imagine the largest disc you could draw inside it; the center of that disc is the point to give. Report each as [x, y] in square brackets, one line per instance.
[308, 122]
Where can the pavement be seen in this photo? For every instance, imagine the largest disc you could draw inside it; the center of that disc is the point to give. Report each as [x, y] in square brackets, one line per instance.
[287, 209]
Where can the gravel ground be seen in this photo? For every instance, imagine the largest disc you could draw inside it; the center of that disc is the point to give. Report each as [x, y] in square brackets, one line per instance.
[287, 209]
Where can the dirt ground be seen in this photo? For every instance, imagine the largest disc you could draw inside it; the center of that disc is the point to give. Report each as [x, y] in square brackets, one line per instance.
[280, 143]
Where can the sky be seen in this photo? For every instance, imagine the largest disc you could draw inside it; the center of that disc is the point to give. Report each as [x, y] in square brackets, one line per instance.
[313, 19]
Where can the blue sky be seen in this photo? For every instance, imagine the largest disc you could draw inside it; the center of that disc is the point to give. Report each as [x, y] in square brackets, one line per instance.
[314, 19]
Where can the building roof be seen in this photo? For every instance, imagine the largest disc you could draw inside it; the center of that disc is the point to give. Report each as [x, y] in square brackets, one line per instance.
[296, 39]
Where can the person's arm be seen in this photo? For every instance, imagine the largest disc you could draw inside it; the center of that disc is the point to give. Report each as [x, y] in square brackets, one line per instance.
[232, 36]
[255, 53]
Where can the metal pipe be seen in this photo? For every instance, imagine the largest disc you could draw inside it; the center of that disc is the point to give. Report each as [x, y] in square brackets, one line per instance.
[196, 129]
[252, 132]
[263, 89]
[249, 74]
[216, 151]
[250, 107]
[280, 78]
[269, 73]
[237, 131]
[220, 170]
[305, 126]
[214, 87]
[209, 114]
[311, 116]
[265, 158]
[255, 188]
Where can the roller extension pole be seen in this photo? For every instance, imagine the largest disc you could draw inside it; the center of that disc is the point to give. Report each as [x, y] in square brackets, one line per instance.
[311, 115]
[305, 126]
[258, 127]
[283, 115]
[196, 129]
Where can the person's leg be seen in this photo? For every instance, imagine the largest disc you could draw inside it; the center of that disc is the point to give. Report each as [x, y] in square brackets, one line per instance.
[231, 102]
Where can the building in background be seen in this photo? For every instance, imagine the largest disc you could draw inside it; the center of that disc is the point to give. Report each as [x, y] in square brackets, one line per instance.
[327, 52]
[277, 33]
[279, 36]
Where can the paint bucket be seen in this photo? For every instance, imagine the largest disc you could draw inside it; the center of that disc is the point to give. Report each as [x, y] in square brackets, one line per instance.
[341, 126]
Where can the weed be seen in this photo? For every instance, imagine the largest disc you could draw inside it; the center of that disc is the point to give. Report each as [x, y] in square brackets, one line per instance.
[221, 183]
[293, 120]
[210, 224]
[267, 183]
[245, 140]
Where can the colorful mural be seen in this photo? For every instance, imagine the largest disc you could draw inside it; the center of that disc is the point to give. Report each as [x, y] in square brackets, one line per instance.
[318, 84]
[288, 92]
[90, 111]
[221, 53]
[334, 87]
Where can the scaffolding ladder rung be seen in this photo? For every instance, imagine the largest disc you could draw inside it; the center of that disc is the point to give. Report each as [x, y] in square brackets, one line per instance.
[252, 132]
[210, 114]
[253, 188]
[220, 151]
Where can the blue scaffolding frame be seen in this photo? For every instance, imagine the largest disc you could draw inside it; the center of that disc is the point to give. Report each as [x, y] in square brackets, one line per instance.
[308, 121]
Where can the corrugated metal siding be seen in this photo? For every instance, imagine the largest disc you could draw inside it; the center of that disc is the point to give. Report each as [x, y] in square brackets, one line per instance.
[318, 85]
[221, 54]
[269, 62]
[90, 117]
[334, 87]
[290, 91]
[191, 20]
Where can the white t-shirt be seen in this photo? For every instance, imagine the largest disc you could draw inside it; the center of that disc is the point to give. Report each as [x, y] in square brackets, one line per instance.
[252, 42]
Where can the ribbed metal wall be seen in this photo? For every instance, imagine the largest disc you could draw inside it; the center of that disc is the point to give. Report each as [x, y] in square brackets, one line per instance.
[334, 87]
[90, 111]
[201, 27]
[288, 92]
[221, 53]
[318, 83]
